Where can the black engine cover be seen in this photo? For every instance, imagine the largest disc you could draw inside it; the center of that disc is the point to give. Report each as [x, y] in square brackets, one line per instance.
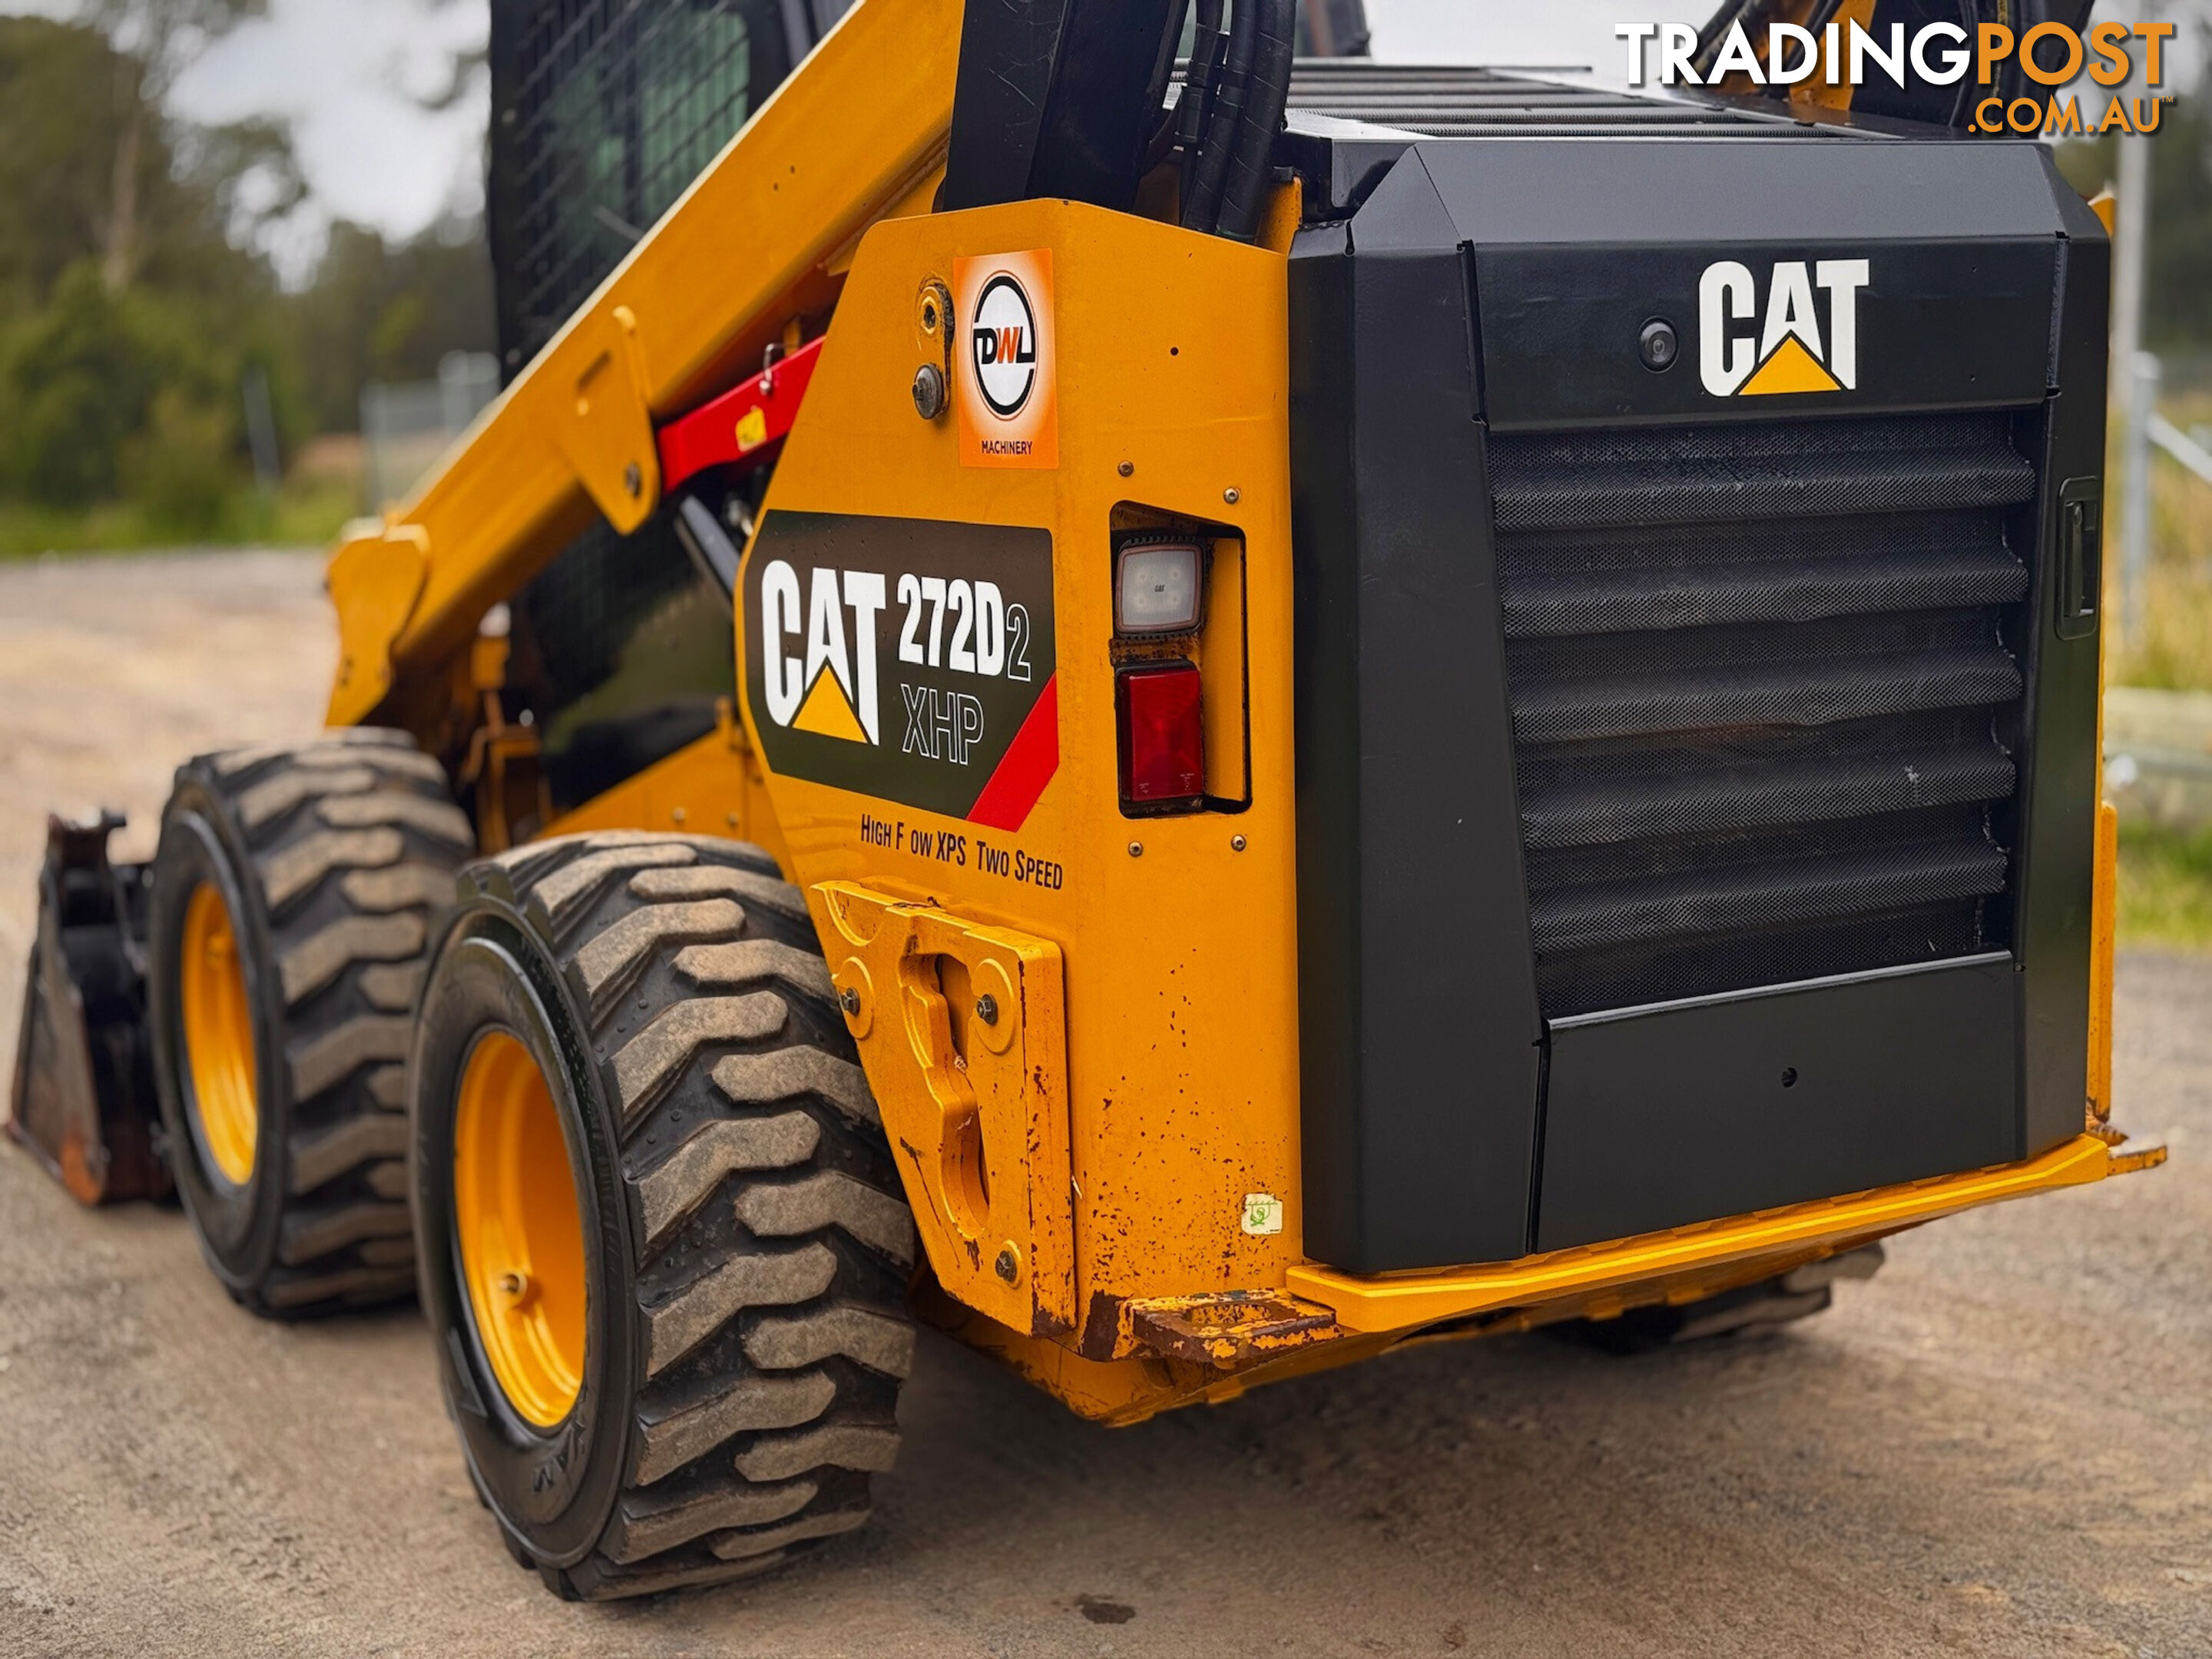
[1697, 751]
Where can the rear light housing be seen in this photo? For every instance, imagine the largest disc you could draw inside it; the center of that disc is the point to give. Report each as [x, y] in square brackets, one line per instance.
[1160, 713]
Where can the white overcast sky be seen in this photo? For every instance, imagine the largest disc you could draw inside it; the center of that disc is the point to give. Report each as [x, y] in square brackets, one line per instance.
[342, 73]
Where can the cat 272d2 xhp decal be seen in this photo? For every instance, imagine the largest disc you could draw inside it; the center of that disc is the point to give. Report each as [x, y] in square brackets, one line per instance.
[1187, 710]
[906, 659]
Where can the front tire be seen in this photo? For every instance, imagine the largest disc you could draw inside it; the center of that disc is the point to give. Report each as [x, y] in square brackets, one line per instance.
[294, 901]
[663, 1248]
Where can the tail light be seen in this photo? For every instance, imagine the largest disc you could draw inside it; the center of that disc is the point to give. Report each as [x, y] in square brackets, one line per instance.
[1161, 716]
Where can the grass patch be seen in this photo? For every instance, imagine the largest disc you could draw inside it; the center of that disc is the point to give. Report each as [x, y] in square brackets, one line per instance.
[306, 514]
[2168, 646]
[2165, 886]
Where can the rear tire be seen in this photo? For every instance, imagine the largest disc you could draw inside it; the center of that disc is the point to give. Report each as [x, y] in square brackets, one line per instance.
[745, 1244]
[293, 906]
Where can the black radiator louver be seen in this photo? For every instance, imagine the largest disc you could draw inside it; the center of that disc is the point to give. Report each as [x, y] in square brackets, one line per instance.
[1764, 692]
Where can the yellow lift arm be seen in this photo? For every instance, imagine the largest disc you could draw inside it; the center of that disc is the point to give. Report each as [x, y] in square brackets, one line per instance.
[856, 134]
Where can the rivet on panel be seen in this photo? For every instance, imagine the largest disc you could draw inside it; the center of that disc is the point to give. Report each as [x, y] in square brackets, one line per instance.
[1236, 844]
[1136, 849]
[1233, 494]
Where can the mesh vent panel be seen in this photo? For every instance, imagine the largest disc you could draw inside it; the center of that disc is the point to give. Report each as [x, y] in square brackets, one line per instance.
[1695, 575]
[1764, 694]
[603, 112]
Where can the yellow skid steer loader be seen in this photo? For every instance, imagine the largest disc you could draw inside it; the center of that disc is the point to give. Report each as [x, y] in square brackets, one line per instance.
[1179, 703]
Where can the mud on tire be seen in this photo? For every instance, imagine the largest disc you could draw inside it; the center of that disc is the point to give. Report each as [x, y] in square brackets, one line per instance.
[332, 860]
[745, 1238]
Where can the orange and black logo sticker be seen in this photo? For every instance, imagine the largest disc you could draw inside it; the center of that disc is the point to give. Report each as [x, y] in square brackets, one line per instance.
[1009, 389]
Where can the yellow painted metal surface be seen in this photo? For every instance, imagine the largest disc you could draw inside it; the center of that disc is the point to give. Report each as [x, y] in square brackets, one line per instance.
[1180, 949]
[521, 1236]
[607, 436]
[218, 1024]
[1597, 1281]
[376, 579]
[960, 1028]
[1404, 1301]
[850, 136]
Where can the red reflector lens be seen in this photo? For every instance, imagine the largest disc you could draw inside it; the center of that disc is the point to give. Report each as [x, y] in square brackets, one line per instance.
[1163, 734]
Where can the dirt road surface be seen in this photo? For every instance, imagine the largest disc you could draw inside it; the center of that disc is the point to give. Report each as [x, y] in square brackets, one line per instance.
[2003, 1446]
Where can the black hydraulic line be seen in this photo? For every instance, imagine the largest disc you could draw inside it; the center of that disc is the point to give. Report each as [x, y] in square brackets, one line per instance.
[1050, 102]
[1201, 207]
[1198, 88]
[1747, 12]
[1162, 142]
[1156, 95]
[1267, 90]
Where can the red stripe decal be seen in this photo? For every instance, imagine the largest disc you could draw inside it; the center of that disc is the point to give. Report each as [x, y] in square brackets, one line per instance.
[1030, 761]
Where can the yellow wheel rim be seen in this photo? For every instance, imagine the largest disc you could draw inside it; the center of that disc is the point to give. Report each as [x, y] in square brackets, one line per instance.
[218, 1036]
[521, 1234]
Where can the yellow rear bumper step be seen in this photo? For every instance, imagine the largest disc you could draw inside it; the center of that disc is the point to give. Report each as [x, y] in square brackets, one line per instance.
[1405, 1302]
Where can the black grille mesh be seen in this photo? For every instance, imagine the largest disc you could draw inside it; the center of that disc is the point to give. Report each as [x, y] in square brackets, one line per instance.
[1763, 698]
[603, 112]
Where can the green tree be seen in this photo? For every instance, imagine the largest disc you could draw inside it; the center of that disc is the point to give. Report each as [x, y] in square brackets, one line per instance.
[75, 379]
[124, 330]
[378, 312]
[56, 165]
[153, 41]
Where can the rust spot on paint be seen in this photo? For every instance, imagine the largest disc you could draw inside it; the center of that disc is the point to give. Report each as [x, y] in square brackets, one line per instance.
[1102, 1327]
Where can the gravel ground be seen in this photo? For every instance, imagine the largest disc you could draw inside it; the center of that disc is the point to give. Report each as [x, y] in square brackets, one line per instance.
[1998, 1447]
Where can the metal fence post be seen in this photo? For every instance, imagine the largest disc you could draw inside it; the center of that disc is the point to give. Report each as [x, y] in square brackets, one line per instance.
[2135, 498]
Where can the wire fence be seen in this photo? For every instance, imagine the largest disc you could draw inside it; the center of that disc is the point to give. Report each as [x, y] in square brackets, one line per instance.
[406, 428]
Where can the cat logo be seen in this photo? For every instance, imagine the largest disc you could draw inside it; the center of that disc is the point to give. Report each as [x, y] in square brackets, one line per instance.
[1789, 351]
[834, 694]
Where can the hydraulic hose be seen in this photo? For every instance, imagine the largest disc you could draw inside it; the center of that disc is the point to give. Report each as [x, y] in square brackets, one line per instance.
[1163, 66]
[1198, 90]
[1267, 92]
[1201, 207]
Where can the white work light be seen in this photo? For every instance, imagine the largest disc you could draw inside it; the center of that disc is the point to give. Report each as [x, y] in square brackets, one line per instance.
[1157, 589]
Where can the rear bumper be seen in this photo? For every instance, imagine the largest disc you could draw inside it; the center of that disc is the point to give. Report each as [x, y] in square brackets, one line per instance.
[1212, 1348]
[1690, 1261]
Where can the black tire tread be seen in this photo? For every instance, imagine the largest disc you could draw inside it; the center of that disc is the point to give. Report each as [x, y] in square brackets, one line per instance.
[772, 1236]
[353, 841]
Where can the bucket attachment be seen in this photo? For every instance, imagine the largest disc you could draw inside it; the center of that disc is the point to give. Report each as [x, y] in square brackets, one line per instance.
[83, 1101]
